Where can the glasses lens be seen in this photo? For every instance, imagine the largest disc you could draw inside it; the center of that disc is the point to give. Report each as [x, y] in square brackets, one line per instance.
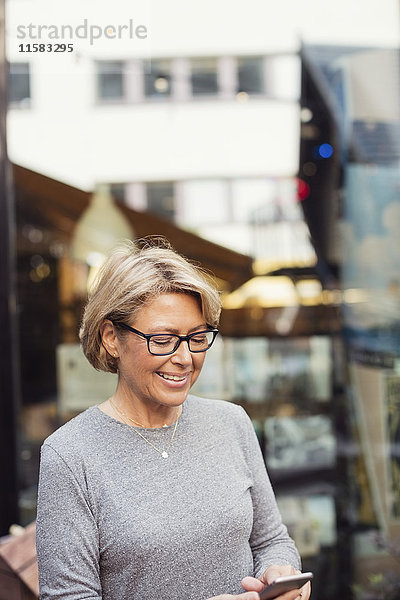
[167, 344]
[162, 344]
[201, 341]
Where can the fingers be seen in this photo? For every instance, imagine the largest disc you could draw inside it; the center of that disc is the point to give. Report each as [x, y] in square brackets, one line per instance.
[305, 592]
[275, 571]
[293, 595]
[245, 596]
[252, 584]
[271, 574]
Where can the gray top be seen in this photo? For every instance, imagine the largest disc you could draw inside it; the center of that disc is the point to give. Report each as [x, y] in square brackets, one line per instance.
[116, 521]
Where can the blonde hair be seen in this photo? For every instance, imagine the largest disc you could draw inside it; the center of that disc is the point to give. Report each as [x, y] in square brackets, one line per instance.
[133, 274]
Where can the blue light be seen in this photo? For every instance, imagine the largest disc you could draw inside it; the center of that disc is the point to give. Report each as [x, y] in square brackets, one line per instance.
[325, 150]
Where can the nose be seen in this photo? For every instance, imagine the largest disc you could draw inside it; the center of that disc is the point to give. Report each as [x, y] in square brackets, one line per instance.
[182, 354]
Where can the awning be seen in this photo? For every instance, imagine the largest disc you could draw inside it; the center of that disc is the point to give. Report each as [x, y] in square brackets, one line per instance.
[57, 207]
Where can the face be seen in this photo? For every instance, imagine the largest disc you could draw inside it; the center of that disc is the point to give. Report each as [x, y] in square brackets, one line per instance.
[161, 380]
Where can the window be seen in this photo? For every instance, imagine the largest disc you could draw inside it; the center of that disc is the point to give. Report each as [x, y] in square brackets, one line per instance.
[158, 79]
[19, 83]
[160, 199]
[110, 80]
[250, 75]
[204, 76]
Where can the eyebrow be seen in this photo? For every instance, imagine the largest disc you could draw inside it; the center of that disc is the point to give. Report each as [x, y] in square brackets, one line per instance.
[167, 329]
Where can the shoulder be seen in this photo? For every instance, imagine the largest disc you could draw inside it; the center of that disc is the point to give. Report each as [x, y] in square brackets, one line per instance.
[224, 421]
[76, 433]
[220, 411]
[207, 405]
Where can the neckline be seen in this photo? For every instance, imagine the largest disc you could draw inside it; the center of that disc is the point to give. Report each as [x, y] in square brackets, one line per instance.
[148, 430]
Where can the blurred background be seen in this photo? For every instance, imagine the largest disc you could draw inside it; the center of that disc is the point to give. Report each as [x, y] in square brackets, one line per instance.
[263, 140]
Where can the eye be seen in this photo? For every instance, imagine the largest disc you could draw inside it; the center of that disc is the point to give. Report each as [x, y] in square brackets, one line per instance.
[163, 340]
[200, 339]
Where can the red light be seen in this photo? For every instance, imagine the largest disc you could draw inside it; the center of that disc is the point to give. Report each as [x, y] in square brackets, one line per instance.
[303, 190]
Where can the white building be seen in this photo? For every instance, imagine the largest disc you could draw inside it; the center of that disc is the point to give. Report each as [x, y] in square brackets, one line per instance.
[195, 116]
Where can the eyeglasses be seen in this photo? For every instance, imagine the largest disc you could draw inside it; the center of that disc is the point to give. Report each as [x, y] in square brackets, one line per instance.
[162, 344]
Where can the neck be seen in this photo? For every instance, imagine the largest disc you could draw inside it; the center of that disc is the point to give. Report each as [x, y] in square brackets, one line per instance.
[140, 415]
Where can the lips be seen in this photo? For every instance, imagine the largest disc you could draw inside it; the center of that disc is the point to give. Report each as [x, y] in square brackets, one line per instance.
[170, 377]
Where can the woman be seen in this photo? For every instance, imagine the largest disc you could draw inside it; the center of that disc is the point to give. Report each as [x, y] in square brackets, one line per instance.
[156, 493]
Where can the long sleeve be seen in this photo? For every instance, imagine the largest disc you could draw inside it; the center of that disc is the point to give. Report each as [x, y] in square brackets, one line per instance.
[269, 540]
[118, 521]
[67, 537]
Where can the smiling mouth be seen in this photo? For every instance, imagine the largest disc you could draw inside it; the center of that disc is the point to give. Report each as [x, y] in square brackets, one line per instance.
[173, 377]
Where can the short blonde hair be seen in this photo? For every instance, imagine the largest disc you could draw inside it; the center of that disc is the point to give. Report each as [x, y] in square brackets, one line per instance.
[133, 274]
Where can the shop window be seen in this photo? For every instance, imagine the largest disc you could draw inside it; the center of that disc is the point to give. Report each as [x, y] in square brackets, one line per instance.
[110, 80]
[19, 86]
[160, 199]
[250, 75]
[157, 82]
[204, 76]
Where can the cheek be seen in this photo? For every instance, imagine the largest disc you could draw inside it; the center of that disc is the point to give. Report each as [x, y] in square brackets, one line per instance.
[198, 364]
[136, 363]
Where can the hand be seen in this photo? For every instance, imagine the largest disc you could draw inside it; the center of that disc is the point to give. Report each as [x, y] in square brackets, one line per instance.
[252, 584]
[245, 596]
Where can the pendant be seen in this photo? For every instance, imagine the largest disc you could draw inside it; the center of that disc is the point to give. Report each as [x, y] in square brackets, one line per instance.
[164, 454]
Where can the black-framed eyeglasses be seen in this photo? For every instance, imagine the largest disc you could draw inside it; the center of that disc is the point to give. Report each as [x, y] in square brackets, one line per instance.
[161, 344]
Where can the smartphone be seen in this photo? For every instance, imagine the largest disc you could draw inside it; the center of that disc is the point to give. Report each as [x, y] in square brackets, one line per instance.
[281, 585]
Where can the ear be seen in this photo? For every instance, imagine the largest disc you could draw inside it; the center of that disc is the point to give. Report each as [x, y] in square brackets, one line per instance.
[109, 338]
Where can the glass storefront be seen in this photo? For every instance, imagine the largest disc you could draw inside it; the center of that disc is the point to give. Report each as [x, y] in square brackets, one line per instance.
[319, 377]
[315, 394]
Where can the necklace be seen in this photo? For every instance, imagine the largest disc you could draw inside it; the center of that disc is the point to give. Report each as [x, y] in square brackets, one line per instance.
[163, 453]
[122, 414]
